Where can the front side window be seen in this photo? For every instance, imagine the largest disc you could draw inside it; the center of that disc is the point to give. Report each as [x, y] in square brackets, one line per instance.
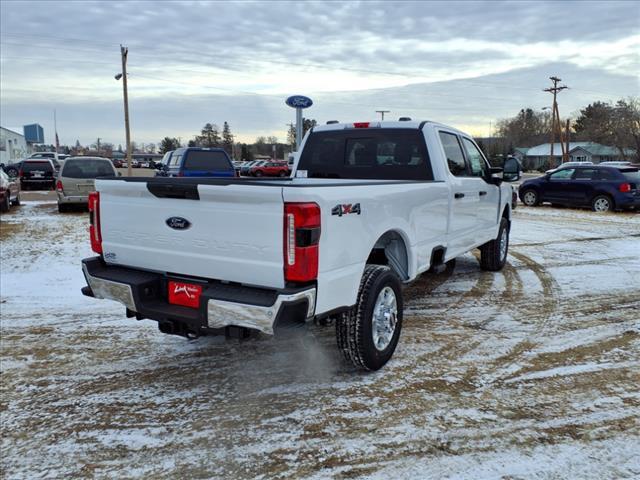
[476, 160]
[453, 152]
[564, 174]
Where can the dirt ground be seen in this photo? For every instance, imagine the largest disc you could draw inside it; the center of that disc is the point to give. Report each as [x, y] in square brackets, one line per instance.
[532, 372]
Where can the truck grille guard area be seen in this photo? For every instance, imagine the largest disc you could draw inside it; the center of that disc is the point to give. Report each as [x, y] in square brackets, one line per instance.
[222, 305]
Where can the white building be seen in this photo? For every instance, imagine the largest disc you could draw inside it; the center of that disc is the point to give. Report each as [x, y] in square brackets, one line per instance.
[13, 146]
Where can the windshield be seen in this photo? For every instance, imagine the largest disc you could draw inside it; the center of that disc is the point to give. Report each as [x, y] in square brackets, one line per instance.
[87, 168]
[211, 161]
[44, 166]
[632, 175]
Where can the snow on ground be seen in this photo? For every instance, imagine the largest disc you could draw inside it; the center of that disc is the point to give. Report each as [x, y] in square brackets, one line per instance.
[531, 372]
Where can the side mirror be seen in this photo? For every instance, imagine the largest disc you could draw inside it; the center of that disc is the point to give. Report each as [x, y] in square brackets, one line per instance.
[511, 170]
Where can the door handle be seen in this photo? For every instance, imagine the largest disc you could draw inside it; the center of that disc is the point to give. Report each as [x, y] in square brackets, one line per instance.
[459, 195]
[483, 193]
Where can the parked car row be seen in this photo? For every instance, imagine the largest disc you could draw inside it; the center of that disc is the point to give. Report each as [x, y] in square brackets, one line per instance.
[265, 168]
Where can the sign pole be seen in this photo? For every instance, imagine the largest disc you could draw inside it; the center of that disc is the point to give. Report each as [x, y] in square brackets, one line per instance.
[298, 128]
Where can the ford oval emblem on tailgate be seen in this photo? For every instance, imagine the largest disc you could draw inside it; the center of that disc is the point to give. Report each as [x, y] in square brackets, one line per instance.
[178, 223]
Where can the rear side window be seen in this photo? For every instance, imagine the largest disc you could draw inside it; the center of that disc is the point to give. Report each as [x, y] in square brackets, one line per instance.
[211, 161]
[37, 167]
[586, 174]
[87, 169]
[453, 152]
[606, 174]
[375, 154]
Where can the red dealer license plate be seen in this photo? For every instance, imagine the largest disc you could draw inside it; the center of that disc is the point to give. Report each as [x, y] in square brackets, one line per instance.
[185, 294]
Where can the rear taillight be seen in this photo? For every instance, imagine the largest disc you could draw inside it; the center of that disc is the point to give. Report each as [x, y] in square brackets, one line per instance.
[20, 173]
[59, 186]
[625, 188]
[301, 241]
[361, 125]
[94, 218]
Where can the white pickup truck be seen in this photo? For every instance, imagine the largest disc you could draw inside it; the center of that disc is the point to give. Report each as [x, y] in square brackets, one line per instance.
[369, 206]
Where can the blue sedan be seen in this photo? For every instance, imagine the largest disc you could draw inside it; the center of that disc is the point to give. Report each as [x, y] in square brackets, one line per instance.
[603, 188]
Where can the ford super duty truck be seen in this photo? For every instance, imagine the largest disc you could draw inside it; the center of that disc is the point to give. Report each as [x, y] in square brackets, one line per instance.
[368, 208]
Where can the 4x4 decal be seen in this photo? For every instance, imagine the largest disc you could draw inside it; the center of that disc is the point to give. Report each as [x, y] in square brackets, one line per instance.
[346, 209]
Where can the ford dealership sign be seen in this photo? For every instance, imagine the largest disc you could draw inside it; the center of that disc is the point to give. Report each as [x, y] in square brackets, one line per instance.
[299, 101]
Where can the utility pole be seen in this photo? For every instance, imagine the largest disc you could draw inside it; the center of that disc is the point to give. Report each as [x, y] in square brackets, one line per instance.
[555, 115]
[124, 51]
[382, 112]
[98, 146]
[566, 139]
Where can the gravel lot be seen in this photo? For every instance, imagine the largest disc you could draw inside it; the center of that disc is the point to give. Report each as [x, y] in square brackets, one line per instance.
[532, 372]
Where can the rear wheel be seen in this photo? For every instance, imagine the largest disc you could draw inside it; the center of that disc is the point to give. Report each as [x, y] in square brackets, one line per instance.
[530, 198]
[602, 203]
[4, 206]
[283, 174]
[62, 208]
[493, 254]
[369, 332]
[258, 173]
[16, 201]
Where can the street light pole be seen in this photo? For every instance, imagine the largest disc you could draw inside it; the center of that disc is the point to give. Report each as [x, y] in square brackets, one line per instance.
[124, 51]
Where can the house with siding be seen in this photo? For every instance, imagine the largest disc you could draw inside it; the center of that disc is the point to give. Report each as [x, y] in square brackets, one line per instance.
[538, 157]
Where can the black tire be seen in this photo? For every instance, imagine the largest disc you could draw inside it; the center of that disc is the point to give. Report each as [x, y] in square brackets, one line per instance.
[62, 208]
[354, 328]
[258, 174]
[16, 201]
[11, 171]
[530, 198]
[492, 256]
[283, 174]
[4, 206]
[602, 203]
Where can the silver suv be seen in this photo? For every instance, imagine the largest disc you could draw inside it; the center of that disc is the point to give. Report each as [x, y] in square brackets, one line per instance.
[76, 179]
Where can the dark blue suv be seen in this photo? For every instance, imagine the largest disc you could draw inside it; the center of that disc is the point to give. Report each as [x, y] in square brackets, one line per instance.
[199, 162]
[599, 187]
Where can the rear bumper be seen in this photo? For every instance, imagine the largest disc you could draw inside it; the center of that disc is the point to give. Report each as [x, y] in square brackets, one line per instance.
[627, 201]
[75, 199]
[221, 304]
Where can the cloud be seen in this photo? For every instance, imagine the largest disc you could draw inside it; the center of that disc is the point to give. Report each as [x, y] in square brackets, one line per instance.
[193, 60]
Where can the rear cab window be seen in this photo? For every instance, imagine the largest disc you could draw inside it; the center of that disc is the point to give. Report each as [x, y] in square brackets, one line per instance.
[198, 160]
[375, 154]
[87, 168]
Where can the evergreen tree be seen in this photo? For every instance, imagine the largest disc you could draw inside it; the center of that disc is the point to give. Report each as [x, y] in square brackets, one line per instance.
[168, 143]
[209, 136]
[227, 139]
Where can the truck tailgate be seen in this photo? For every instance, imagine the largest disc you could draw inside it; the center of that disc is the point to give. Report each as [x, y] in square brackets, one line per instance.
[234, 234]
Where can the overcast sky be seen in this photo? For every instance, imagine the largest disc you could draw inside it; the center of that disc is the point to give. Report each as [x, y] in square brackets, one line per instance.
[466, 64]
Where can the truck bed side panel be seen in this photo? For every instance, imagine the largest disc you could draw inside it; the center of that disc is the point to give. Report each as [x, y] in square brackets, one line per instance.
[417, 211]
